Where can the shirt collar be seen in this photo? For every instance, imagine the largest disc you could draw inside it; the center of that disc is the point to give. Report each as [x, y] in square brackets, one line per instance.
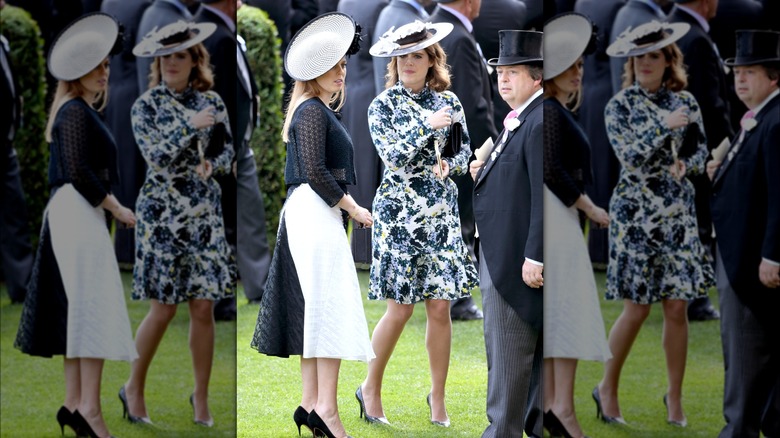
[463, 19]
[230, 24]
[765, 101]
[519, 110]
[702, 21]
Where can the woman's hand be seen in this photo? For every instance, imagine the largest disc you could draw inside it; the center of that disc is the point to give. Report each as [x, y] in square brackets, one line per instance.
[441, 118]
[362, 216]
[124, 215]
[598, 216]
[445, 167]
[677, 169]
[677, 118]
[204, 169]
[204, 118]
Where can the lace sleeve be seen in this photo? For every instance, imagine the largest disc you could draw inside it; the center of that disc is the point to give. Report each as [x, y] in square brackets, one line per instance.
[311, 130]
[556, 177]
[72, 138]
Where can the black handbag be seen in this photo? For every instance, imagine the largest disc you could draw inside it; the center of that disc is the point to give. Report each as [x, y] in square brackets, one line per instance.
[454, 141]
[361, 244]
[216, 144]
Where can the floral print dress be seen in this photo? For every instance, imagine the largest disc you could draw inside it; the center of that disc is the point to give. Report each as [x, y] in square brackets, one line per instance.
[654, 247]
[418, 251]
[181, 250]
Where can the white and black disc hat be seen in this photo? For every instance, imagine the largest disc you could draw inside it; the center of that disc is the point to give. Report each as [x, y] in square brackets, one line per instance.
[646, 38]
[320, 44]
[409, 38]
[82, 46]
[173, 38]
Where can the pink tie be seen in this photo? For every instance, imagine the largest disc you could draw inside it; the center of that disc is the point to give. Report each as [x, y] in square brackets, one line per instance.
[512, 114]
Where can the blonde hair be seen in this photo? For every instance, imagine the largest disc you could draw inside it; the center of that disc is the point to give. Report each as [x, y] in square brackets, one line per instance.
[201, 77]
[302, 91]
[66, 91]
[675, 78]
[438, 76]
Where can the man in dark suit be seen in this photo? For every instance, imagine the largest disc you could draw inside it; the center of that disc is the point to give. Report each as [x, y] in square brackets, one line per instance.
[509, 213]
[242, 203]
[707, 83]
[395, 14]
[632, 14]
[158, 14]
[596, 92]
[15, 248]
[124, 91]
[746, 215]
[471, 83]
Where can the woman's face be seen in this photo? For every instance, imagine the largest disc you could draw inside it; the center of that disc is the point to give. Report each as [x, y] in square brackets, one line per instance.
[96, 80]
[413, 68]
[332, 81]
[175, 69]
[649, 69]
[569, 81]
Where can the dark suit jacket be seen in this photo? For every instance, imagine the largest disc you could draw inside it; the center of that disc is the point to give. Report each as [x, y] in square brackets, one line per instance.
[158, 14]
[746, 207]
[631, 14]
[706, 78]
[508, 209]
[395, 14]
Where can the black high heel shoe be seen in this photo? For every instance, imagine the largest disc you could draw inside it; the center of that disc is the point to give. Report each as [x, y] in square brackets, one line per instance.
[680, 423]
[547, 422]
[65, 418]
[445, 423]
[83, 426]
[206, 423]
[369, 418]
[126, 411]
[556, 425]
[600, 412]
[318, 426]
[301, 418]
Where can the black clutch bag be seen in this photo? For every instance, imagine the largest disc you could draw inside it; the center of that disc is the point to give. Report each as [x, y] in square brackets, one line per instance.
[691, 141]
[454, 141]
[217, 141]
[361, 244]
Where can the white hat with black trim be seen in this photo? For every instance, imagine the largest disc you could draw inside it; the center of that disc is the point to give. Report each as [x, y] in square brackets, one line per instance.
[646, 38]
[173, 38]
[409, 38]
[321, 44]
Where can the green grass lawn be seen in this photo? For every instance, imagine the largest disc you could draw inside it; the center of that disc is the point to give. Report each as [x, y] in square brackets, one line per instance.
[269, 389]
[32, 388]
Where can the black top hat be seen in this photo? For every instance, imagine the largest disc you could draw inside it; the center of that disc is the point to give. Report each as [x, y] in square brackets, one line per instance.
[756, 47]
[518, 47]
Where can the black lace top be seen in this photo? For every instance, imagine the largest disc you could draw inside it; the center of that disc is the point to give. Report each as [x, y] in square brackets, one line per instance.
[567, 167]
[319, 152]
[82, 152]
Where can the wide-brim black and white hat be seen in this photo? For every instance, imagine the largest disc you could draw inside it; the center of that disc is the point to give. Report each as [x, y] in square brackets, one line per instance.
[321, 44]
[566, 38]
[82, 46]
[646, 38]
[172, 38]
[409, 38]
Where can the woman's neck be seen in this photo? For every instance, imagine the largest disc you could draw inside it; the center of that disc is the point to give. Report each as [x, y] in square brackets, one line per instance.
[652, 87]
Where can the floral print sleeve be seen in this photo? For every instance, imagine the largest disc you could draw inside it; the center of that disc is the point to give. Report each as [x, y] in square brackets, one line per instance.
[222, 163]
[459, 164]
[399, 129]
[160, 147]
[695, 163]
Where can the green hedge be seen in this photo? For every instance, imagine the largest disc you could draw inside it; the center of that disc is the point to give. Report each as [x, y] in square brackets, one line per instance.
[26, 44]
[265, 61]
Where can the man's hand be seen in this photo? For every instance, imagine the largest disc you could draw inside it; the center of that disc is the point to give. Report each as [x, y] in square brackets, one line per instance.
[532, 275]
[474, 168]
[769, 274]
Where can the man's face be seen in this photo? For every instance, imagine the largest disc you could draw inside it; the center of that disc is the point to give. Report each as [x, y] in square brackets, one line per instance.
[752, 84]
[515, 84]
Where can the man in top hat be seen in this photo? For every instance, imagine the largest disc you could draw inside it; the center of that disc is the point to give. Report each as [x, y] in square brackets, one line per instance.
[509, 213]
[746, 214]
[471, 83]
[707, 83]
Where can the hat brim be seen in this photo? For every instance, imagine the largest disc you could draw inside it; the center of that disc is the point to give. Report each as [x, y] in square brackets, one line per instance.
[309, 55]
[436, 33]
[68, 59]
[622, 48]
[748, 60]
[514, 60]
[150, 47]
[566, 37]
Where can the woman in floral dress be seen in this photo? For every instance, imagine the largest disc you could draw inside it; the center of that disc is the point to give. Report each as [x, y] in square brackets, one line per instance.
[181, 251]
[654, 250]
[418, 251]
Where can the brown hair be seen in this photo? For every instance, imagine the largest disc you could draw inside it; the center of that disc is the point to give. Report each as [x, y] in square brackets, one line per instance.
[67, 90]
[201, 76]
[438, 76]
[572, 103]
[306, 90]
[675, 78]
